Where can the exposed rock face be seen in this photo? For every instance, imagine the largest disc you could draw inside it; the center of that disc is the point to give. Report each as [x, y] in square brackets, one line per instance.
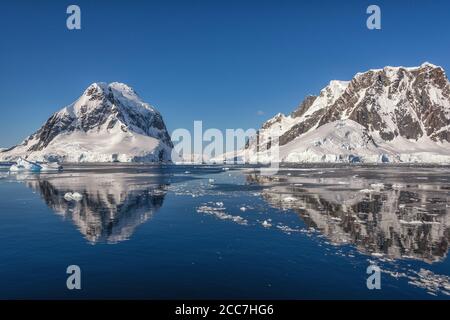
[393, 104]
[107, 123]
[406, 102]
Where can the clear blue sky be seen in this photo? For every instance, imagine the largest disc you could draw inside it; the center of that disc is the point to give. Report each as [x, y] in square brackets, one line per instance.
[216, 61]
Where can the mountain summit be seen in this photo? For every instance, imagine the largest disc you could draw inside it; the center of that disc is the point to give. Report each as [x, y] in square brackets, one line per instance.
[394, 114]
[109, 122]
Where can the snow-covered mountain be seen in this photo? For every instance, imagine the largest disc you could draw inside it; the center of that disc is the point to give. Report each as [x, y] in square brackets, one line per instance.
[109, 122]
[394, 114]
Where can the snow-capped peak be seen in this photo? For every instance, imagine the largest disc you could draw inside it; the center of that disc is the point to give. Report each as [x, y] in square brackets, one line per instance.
[106, 121]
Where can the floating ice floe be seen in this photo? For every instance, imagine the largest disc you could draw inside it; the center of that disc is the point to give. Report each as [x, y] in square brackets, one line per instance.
[289, 199]
[25, 165]
[266, 224]
[377, 254]
[211, 181]
[377, 185]
[69, 196]
[287, 229]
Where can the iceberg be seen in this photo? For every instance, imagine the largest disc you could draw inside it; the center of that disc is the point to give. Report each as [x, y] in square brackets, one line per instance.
[25, 165]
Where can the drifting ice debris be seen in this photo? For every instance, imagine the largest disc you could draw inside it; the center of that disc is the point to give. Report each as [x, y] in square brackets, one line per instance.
[289, 199]
[377, 185]
[286, 229]
[73, 196]
[243, 208]
[376, 254]
[211, 181]
[225, 169]
[366, 190]
[266, 224]
[219, 212]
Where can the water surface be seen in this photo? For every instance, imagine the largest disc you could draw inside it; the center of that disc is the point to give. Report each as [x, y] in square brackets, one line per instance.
[189, 232]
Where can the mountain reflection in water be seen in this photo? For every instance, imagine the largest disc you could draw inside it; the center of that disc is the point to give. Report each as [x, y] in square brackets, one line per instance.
[113, 205]
[394, 212]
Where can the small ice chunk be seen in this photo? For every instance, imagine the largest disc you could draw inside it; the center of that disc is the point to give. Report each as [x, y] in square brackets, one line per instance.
[69, 196]
[377, 254]
[266, 224]
[211, 181]
[243, 208]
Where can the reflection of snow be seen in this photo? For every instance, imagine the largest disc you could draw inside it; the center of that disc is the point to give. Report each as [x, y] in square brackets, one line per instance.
[104, 207]
[409, 221]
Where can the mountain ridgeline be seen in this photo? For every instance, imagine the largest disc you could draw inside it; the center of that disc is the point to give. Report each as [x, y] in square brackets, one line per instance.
[394, 114]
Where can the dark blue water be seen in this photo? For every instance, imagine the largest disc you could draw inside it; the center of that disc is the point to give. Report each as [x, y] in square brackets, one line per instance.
[189, 232]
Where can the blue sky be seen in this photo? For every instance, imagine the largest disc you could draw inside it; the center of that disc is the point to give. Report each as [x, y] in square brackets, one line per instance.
[216, 61]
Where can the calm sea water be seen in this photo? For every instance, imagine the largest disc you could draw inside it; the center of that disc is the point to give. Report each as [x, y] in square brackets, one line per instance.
[188, 232]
